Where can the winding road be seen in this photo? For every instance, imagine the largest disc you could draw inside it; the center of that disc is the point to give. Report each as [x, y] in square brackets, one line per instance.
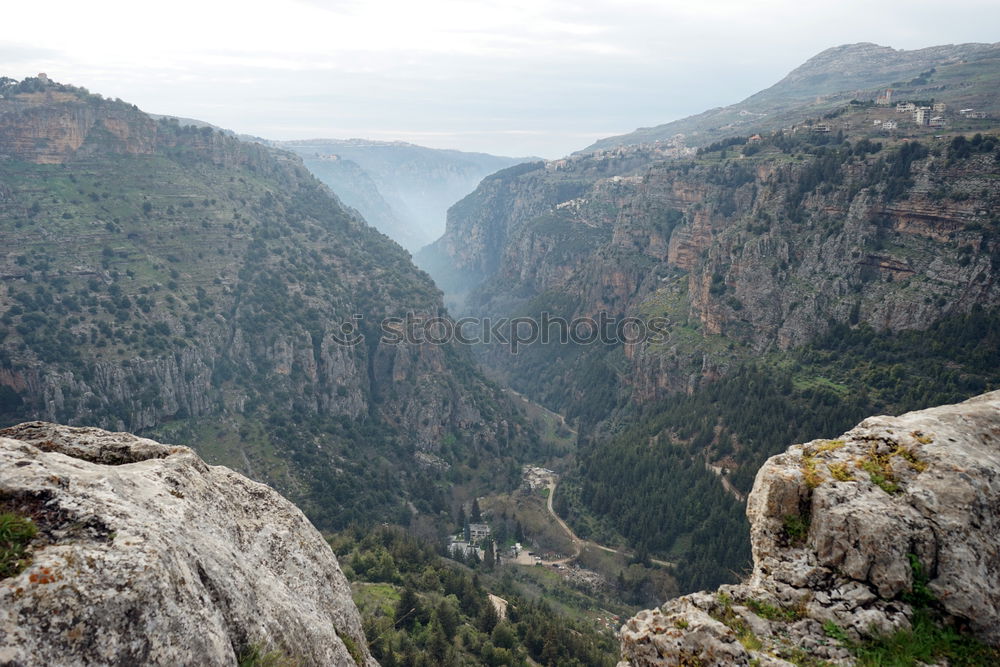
[578, 542]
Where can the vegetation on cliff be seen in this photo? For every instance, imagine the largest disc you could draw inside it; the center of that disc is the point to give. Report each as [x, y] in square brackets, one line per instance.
[744, 417]
[171, 279]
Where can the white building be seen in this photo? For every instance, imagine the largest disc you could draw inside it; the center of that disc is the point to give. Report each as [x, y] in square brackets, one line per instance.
[478, 532]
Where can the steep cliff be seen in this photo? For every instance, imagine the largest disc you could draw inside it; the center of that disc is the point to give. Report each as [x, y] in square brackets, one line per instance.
[742, 255]
[185, 280]
[802, 280]
[146, 555]
[482, 228]
[891, 527]
[357, 189]
[417, 183]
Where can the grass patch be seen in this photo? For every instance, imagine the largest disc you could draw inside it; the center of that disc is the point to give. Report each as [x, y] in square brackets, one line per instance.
[256, 655]
[926, 642]
[881, 476]
[829, 446]
[375, 597]
[810, 464]
[772, 612]
[840, 472]
[810, 471]
[879, 467]
[16, 532]
[911, 458]
[796, 529]
[834, 631]
[352, 648]
[732, 620]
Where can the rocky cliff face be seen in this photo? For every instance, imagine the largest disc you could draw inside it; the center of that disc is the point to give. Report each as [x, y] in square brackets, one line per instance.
[483, 235]
[199, 278]
[146, 555]
[417, 184]
[53, 123]
[477, 229]
[850, 533]
[742, 255]
[761, 273]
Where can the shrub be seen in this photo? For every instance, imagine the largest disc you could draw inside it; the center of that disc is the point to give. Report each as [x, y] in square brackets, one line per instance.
[16, 532]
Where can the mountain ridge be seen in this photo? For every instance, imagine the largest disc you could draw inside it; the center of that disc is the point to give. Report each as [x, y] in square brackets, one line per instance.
[168, 279]
[415, 184]
[837, 73]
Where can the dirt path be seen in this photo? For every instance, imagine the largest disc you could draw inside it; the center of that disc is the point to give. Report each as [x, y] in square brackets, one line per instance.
[726, 484]
[579, 543]
[562, 420]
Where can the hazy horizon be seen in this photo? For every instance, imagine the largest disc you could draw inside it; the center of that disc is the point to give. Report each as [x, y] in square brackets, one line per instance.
[514, 78]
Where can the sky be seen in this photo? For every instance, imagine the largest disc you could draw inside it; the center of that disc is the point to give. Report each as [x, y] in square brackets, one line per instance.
[513, 77]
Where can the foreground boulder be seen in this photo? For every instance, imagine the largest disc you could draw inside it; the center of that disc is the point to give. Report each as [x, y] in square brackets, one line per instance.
[147, 555]
[849, 533]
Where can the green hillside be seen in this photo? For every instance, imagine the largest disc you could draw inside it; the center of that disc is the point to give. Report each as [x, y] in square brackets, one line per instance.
[174, 281]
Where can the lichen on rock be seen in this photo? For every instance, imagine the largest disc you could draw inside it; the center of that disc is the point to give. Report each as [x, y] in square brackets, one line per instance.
[147, 555]
[838, 528]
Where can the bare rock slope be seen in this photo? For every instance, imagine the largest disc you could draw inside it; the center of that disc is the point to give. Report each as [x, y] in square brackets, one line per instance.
[147, 555]
[840, 530]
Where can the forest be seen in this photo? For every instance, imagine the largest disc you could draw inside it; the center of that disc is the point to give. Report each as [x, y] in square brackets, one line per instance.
[420, 609]
[649, 484]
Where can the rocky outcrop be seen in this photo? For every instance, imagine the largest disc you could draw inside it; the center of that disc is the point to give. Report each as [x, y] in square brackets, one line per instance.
[146, 555]
[843, 531]
[48, 123]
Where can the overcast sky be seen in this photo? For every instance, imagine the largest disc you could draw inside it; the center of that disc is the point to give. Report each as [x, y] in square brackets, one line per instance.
[512, 77]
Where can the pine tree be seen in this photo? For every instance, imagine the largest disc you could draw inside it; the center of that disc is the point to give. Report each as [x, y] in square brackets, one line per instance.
[407, 609]
[488, 618]
[489, 555]
[437, 646]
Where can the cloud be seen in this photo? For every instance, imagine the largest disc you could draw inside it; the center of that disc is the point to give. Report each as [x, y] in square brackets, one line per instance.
[527, 76]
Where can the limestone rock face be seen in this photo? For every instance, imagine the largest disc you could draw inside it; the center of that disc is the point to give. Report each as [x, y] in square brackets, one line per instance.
[147, 555]
[836, 527]
[722, 249]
